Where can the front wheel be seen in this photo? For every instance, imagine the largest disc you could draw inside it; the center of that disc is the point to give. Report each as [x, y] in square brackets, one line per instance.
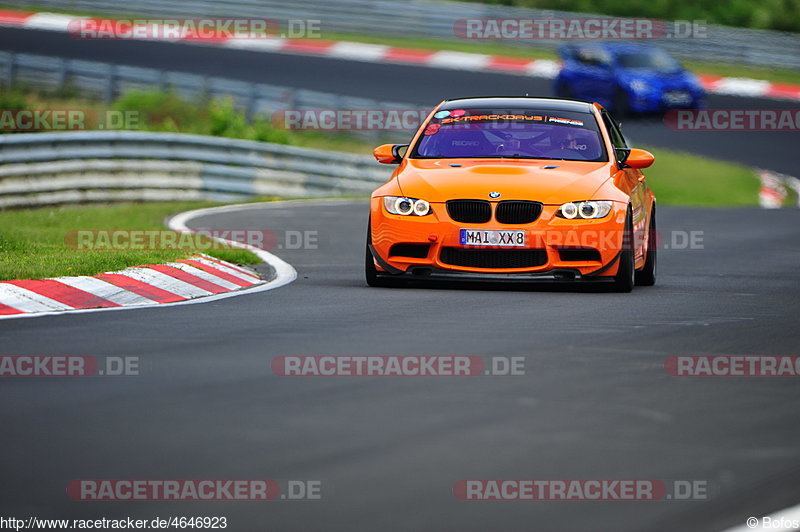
[371, 272]
[624, 279]
[647, 276]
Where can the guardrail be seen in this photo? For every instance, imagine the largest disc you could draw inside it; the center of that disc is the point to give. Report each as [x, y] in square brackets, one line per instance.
[107, 81]
[52, 168]
[429, 19]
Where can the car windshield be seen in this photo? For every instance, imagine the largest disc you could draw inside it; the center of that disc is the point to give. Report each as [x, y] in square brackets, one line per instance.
[511, 133]
[652, 60]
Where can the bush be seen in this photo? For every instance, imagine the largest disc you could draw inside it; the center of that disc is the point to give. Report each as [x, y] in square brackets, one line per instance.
[219, 117]
[13, 100]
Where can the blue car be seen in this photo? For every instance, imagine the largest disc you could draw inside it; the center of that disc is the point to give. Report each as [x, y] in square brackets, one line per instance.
[627, 78]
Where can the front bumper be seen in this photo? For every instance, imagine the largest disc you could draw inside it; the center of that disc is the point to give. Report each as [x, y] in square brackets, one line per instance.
[658, 101]
[548, 235]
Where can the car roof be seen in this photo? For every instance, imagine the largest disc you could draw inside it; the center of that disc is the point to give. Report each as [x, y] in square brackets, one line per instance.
[617, 47]
[519, 102]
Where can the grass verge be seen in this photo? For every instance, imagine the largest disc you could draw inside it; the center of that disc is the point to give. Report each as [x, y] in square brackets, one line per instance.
[34, 242]
[680, 178]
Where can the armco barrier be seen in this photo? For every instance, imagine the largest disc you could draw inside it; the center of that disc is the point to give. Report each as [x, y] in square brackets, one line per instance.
[52, 168]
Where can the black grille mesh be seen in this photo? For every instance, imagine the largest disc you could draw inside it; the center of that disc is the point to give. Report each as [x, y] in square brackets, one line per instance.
[470, 211]
[494, 258]
[517, 212]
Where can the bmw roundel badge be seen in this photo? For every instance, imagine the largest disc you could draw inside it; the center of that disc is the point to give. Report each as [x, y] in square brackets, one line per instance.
[494, 195]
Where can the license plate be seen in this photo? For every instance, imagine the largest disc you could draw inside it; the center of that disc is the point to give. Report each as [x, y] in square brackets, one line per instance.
[677, 98]
[479, 237]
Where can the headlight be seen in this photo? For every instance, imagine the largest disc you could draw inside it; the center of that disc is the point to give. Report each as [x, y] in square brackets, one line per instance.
[406, 206]
[638, 85]
[584, 209]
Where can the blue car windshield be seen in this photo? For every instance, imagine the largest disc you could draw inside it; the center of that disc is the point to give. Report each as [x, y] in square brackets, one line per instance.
[511, 133]
[651, 60]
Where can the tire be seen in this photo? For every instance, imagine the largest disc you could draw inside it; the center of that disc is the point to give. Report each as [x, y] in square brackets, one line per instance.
[371, 272]
[624, 279]
[647, 275]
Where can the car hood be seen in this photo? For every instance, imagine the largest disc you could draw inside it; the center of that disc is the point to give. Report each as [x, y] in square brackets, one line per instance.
[437, 181]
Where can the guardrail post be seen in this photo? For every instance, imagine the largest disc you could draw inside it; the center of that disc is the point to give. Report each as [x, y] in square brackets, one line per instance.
[11, 68]
[110, 84]
[63, 71]
[252, 102]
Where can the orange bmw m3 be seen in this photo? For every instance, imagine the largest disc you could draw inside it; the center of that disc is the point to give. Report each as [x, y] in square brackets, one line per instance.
[514, 189]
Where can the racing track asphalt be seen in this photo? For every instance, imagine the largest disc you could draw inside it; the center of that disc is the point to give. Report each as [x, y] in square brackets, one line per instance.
[424, 86]
[595, 401]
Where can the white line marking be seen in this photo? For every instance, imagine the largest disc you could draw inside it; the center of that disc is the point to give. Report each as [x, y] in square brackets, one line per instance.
[742, 87]
[211, 278]
[249, 274]
[258, 45]
[49, 21]
[358, 51]
[225, 269]
[459, 60]
[27, 301]
[543, 68]
[165, 282]
[106, 290]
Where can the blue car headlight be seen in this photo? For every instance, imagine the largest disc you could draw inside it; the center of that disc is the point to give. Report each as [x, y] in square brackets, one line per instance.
[639, 86]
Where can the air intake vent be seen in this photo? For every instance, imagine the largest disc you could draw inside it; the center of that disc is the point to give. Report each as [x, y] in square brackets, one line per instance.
[579, 254]
[415, 251]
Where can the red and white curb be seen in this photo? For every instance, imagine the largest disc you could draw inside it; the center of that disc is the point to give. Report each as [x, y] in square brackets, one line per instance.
[775, 188]
[198, 279]
[376, 53]
[145, 285]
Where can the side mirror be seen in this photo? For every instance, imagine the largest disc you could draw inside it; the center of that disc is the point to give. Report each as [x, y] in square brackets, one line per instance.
[639, 158]
[389, 153]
